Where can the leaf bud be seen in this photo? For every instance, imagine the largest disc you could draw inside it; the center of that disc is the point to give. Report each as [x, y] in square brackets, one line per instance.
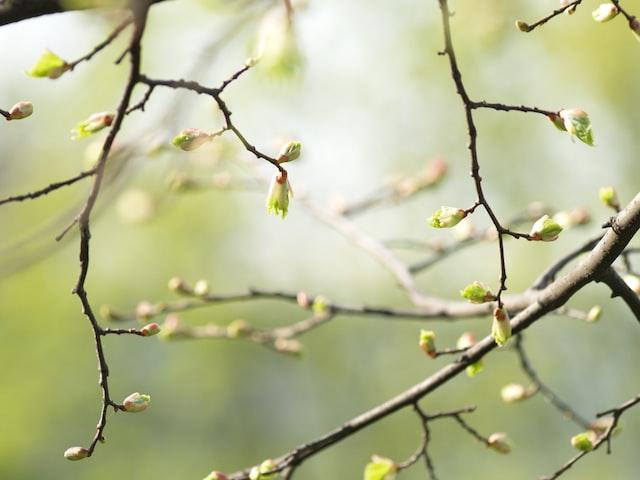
[136, 402]
[447, 217]
[76, 453]
[545, 229]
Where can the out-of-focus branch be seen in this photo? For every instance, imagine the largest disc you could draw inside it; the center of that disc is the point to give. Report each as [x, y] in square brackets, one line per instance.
[619, 288]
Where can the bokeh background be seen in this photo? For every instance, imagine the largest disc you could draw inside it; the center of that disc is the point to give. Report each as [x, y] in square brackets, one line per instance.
[370, 102]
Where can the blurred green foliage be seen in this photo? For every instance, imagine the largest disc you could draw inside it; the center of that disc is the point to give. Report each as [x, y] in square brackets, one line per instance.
[372, 101]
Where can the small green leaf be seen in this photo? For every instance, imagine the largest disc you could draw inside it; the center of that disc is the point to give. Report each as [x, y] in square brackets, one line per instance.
[380, 468]
[48, 65]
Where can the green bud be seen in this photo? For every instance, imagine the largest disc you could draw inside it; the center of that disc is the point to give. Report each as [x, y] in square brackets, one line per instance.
[20, 110]
[477, 292]
[289, 151]
[261, 472]
[279, 195]
[523, 26]
[91, 125]
[594, 313]
[238, 328]
[605, 12]
[446, 217]
[136, 402]
[577, 123]
[48, 65]
[76, 453]
[609, 197]
[320, 305]
[545, 229]
[380, 468]
[499, 442]
[190, 139]
[584, 441]
[501, 327]
[427, 342]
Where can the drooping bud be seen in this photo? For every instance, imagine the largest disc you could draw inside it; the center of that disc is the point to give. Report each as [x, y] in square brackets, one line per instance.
[477, 292]
[216, 475]
[446, 217]
[633, 281]
[605, 12]
[515, 392]
[91, 125]
[545, 229]
[499, 442]
[577, 123]
[467, 340]
[190, 139]
[150, 329]
[201, 288]
[20, 110]
[262, 472]
[609, 197]
[279, 195]
[48, 65]
[427, 342]
[584, 441]
[501, 327]
[380, 468]
[594, 314]
[136, 402]
[557, 121]
[523, 26]
[76, 453]
[289, 151]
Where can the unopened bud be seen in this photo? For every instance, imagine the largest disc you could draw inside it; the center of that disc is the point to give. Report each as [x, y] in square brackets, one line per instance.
[289, 151]
[279, 195]
[594, 313]
[238, 328]
[515, 392]
[584, 441]
[633, 281]
[150, 329]
[601, 425]
[136, 402]
[216, 475]
[427, 342]
[609, 197]
[545, 229]
[91, 125]
[144, 310]
[178, 285]
[48, 65]
[577, 123]
[605, 12]
[76, 453]
[467, 340]
[302, 299]
[499, 442]
[201, 288]
[262, 472]
[477, 292]
[287, 345]
[523, 26]
[446, 217]
[251, 62]
[557, 121]
[580, 216]
[190, 139]
[501, 327]
[20, 110]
